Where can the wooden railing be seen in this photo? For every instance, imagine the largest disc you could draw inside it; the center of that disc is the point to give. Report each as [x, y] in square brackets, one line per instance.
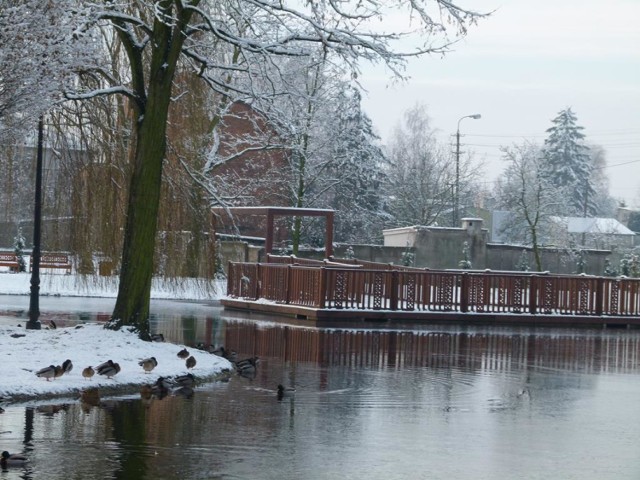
[336, 286]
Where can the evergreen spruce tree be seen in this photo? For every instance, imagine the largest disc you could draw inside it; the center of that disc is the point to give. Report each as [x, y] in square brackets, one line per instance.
[523, 262]
[568, 165]
[18, 248]
[465, 263]
[357, 196]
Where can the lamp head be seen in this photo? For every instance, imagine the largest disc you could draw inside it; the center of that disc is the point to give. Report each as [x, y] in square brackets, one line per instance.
[475, 116]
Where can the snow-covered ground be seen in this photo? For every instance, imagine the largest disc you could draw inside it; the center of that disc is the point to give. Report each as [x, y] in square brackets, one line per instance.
[24, 352]
[96, 286]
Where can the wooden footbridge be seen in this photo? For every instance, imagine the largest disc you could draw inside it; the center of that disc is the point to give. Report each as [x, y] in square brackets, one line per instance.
[344, 289]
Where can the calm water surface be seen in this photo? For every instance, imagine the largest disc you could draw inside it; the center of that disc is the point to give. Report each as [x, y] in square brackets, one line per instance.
[377, 401]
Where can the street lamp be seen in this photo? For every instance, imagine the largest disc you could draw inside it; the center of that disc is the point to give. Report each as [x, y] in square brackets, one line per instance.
[456, 206]
[34, 299]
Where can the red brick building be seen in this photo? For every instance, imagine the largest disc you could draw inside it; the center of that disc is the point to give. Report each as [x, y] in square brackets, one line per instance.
[251, 169]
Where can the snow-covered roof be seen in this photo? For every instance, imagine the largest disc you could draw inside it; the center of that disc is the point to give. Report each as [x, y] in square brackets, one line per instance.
[600, 225]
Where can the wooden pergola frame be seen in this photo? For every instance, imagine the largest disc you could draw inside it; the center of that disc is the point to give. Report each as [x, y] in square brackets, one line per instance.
[272, 212]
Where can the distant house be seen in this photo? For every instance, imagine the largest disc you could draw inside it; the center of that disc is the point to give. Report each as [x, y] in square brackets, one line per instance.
[595, 232]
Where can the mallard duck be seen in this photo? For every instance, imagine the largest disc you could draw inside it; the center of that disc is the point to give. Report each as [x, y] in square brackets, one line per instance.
[88, 372]
[253, 361]
[12, 460]
[186, 392]
[187, 380]
[67, 366]
[148, 364]
[220, 351]
[161, 388]
[50, 372]
[285, 392]
[191, 362]
[108, 368]
[184, 353]
[247, 367]
[157, 337]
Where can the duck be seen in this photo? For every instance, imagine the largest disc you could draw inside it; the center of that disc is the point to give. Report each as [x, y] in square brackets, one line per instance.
[285, 392]
[186, 392]
[157, 337]
[187, 380]
[191, 362]
[50, 372]
[67, 366]
[148, 364]
[108, 368]
[247, 366]
[247, 361]
[184, 353]
[12, 460]
[220, 351]
[160, 388]
[88, 372]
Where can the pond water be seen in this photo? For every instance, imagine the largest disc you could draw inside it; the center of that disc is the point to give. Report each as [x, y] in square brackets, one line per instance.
[372, 401]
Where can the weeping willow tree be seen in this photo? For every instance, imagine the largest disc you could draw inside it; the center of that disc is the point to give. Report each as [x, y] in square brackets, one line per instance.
[226, 44]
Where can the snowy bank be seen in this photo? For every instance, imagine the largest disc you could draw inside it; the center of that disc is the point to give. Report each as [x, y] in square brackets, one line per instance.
[97, 286]
[24, 352]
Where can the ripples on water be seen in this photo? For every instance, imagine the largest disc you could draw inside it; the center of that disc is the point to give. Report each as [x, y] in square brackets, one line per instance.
[389, 403]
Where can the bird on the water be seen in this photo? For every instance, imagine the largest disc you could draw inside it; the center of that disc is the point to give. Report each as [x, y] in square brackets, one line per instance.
[285, 392]
[187, 380]
[12, 460]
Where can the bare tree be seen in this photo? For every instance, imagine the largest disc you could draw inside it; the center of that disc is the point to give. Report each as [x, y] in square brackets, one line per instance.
[420, 177]
[524, 191]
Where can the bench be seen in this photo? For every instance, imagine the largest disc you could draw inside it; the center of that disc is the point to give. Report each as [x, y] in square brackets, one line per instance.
[9, 259]
[54, 260]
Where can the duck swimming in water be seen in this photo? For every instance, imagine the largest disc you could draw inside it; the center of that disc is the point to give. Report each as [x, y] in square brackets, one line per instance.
[285, 392]
[12, 460]
[187, 380]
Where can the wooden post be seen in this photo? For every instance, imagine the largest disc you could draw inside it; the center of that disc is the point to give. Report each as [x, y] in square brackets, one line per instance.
[533, 294]
[393, 297]
[258, 281]
[599, 295]
[464, 293]
[288, 285]
[328, 241]
[230, 278]
[322, 287]
[268, 244]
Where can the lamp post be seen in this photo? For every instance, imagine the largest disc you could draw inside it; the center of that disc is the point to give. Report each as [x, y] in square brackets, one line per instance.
[456, 206]
[34, 301]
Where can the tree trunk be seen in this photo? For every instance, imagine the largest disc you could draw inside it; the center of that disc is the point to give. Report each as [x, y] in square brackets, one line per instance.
[152, 108]
[134, 290]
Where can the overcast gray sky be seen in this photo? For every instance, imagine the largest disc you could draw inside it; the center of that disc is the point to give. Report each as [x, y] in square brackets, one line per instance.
[518, 69]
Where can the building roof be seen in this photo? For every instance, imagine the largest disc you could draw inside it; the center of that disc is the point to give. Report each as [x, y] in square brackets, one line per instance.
[608, 226]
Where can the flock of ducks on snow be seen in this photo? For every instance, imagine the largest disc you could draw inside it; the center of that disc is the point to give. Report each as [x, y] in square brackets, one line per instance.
[180, 385]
